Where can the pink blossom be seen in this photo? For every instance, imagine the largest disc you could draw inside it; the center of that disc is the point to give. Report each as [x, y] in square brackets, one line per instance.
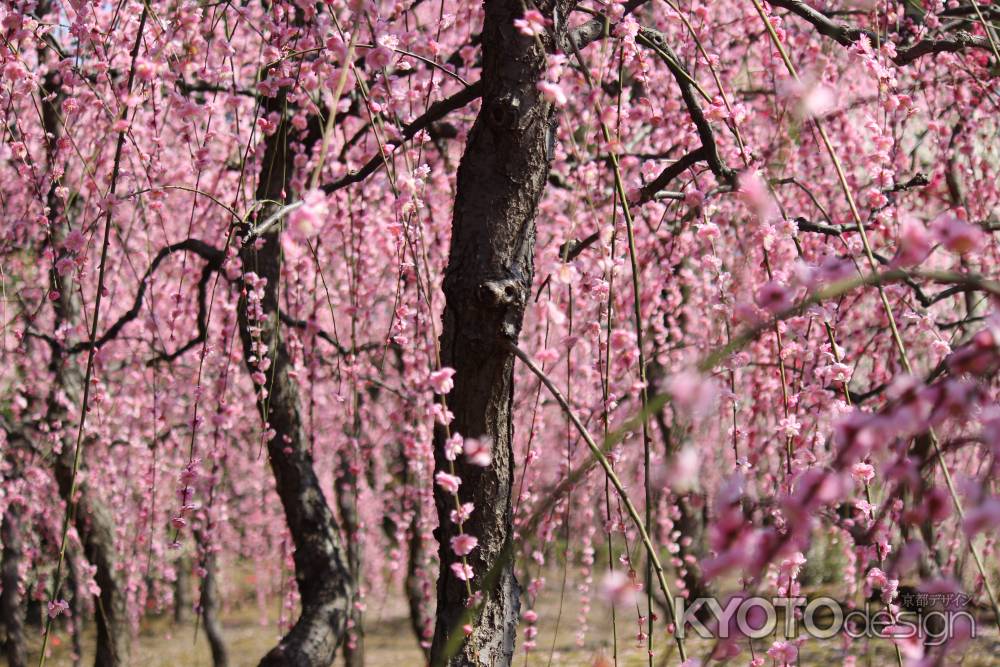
[982, 517]
[532, 24]
[441, 380]
[816, 101]
[956, 235]
[462, 571]
[754, 191]
[694, 198]
[862, 472]
[65, 265]
[774, 297]
[479, 451]
[448, 482]
[379, 57]
[305, 221]
[453, 447]
[783, 651]
[789, 426]
[70, 106]
[915, 243]
[553, 93]
[57, 608]
[692, 392]
[462, 513]
[14, 71]
[463, 544]
[617, 588]
[146, 69]
[684, 470]
[833, 269]
[980, 356]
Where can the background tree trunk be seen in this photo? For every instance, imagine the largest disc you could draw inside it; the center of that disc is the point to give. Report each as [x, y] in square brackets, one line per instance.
[347, 484]
[486, 285]
[421, 621]
[209, 607]
[321, 570]
[11, 609]
[96, 528]
[182, 591]
[94, 524]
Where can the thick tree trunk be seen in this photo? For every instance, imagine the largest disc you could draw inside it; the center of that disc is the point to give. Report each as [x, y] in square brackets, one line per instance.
[321, 570]
[11, 609]
[486, 285]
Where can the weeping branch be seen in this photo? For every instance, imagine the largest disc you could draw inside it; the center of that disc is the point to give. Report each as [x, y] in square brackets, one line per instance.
[848, 35]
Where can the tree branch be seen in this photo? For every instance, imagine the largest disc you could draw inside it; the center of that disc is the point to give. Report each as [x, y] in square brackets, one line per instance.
[212, 255]
[848, 35]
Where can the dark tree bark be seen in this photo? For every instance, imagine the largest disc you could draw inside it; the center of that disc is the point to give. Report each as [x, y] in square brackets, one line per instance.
[208, 605]
[321, 570]
[11, 609]
[486, 285]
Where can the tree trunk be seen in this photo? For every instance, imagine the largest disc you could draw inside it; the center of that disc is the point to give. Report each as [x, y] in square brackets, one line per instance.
[321, 571]
[11, 609]
[182, 591]
[209, 606]
[96, 528]
[76, 609]
[486, 285]
[94, 523]
[420, 620]
[347, 484]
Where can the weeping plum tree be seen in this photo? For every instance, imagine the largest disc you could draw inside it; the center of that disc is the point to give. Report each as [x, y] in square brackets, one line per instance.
[494, 306]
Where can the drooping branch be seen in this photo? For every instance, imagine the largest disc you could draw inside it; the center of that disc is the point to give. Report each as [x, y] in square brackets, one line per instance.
[656, 41]
[688, 160]
[848, 35]
[967, 280]
[290, 321]
[200, 248]
[206, 274]
[434, 113]
[602, 460]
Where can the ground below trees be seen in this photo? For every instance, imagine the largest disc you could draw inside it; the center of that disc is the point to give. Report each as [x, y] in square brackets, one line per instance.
[389, 641]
